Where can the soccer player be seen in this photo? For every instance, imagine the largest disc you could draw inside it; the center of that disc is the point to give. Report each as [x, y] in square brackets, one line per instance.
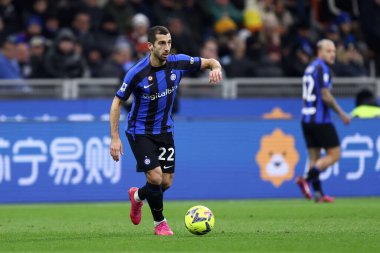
[318, 130]
[154, 82]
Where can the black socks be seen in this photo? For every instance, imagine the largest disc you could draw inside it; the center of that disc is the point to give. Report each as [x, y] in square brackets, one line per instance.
[313, 177]
[142, 192]
[154, 197]
[312, 174]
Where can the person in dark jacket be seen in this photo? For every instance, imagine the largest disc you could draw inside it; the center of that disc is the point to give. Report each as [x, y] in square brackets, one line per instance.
[63, 60]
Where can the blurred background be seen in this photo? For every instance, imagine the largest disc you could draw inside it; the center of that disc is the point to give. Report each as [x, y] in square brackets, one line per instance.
[61, 63]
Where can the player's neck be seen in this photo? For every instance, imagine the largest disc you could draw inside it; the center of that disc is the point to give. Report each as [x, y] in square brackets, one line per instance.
[155, 62]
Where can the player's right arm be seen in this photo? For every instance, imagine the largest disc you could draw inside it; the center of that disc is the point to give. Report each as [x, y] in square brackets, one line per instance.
[330, 101]
[215, 69]
[116, 148]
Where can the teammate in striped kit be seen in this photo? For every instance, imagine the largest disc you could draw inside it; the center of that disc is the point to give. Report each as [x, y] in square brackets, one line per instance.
[154, 82]
[318, 130]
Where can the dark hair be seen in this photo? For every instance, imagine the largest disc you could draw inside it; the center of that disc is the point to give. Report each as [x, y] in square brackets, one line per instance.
[365, 97]
[156, 30]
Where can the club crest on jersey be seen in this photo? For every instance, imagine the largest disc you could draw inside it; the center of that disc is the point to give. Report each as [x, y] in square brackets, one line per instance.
[146, 161]
[191, 60]
[150, 78]
[123, 87]
[173, 76]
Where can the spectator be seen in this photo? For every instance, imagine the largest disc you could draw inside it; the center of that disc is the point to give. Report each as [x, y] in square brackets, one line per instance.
[182, 39]
[40, 10]
[93, 9]
[33, 28]
[283, 16]
[163, 9]
[345, 26]
[51, 26]
[333, 34]
[138, 36]
[143, 7]
[65, 11]
[366, 105]
[198, 19]
[223, 8]
[11, 16]
[81, 28]
[118, 63]
[209, 49]
[122, 11]
[95, 60]
[239, 65]
[370, 23]
[298, 59]
[9, 67]
[349, 62]
[37, 47]
[107, 35]
[280, 33]
[264, 48]
[62, 60]
[23, 59]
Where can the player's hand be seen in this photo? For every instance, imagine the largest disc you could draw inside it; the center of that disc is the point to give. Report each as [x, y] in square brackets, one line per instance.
[215, 76]
[345, 118]
[116, 148]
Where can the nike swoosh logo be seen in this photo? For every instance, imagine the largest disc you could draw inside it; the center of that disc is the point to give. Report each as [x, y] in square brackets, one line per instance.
[147, 86]
[167, 167]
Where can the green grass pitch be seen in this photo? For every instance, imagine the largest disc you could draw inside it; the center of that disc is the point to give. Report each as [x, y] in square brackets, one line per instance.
[294, 225]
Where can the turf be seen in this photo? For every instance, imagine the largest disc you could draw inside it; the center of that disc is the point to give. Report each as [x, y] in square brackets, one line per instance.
[349, 225]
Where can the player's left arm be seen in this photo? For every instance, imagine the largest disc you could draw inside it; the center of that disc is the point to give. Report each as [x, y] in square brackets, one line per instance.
[215, 67]
[329, 99]
[324, 79]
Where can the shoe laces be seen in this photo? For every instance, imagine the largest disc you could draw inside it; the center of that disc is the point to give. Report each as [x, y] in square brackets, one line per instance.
[163, 226]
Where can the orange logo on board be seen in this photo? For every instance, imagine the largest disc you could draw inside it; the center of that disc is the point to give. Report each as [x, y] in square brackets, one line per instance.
[277, 157]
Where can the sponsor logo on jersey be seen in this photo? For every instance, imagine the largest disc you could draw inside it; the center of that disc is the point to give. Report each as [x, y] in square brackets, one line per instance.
[161, 94]
[147, 86]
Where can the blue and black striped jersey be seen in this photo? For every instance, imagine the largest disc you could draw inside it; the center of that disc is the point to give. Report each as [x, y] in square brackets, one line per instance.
[316, 77]
[154, 89]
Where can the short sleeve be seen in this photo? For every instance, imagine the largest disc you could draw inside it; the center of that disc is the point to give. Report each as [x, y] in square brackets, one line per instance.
[324, 77]
[126, 87]
[187, 63]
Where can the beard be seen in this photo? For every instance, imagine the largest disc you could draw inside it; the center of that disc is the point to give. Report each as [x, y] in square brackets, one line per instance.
[161, 57]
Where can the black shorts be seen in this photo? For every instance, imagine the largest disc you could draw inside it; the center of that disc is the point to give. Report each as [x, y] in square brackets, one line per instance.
[153, 150]
[320, 135]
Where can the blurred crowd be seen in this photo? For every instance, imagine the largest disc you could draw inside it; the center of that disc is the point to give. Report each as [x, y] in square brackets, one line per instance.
[251, 38]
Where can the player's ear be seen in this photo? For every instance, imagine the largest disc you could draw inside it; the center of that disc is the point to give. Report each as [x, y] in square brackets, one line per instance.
[150, 46]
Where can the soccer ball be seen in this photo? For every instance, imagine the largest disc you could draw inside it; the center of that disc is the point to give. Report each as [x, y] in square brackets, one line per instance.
[199, 220]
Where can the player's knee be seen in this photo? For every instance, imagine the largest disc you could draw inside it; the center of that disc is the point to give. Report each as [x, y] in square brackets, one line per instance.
[154, 177]
[156, 180]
